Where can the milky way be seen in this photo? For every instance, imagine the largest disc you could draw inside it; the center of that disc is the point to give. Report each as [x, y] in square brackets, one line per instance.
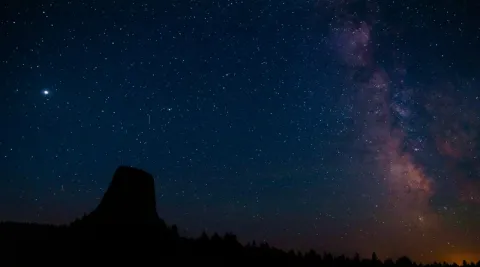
[384, 108]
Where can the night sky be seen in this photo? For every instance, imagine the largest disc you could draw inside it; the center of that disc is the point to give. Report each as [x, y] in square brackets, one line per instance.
[337, 125]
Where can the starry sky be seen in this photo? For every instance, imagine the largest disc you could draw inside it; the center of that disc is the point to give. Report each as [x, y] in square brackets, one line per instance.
[338, 125]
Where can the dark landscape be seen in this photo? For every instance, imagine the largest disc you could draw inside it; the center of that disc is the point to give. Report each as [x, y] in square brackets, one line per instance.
[126, 229]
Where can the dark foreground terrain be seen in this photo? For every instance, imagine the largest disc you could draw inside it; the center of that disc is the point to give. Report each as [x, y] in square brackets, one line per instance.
[125, 229]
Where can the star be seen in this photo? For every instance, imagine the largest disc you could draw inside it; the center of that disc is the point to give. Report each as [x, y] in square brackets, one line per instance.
[45, 92]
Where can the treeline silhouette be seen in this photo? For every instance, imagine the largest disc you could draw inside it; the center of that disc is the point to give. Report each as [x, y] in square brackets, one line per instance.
[125, 229]
[75, 245]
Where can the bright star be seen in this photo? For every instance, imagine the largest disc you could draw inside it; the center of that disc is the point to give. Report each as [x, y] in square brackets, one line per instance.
[46, 92]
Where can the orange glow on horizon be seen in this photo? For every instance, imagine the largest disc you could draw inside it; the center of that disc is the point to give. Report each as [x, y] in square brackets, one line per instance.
[458, 258]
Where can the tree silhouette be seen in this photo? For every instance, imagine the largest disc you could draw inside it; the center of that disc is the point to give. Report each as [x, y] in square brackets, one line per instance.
[374, 258]
[404, 261]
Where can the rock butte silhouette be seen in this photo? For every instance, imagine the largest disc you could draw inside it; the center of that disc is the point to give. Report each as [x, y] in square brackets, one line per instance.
[130, 199]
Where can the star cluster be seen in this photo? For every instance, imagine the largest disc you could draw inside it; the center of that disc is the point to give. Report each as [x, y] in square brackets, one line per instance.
[338, 125]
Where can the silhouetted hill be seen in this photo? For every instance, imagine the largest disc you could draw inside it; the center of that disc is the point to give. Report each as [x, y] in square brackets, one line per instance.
[130, 199]
[125, 229]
